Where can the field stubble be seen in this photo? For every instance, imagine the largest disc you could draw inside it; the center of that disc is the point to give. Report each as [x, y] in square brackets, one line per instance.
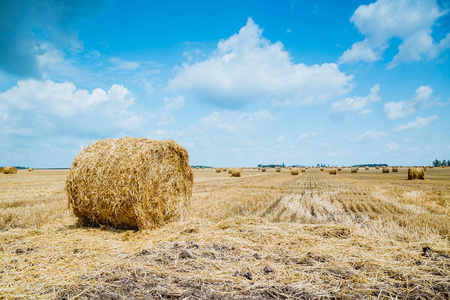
[268, 235]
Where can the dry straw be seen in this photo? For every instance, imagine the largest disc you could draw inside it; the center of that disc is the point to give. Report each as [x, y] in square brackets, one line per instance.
[377, 167]
[366, 167]
[10, 170]
[1, 170]
[339, 169]
[133, 183]
[263, 169]
[332, 171]
[294, 171]
[236, 172]
[303, 170]
[278, 169]
[354, 170]
[31, 169]
[385, 170]
[229, 170]
[321, 169]
[218, 170]
[394, 168]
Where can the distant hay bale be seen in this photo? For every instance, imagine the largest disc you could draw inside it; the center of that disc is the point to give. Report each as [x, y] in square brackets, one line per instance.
[431, 167]
[443, 166]
[30, 169]
[1, 170]
[229, 170]
[339, 169]
[278, 169]
[366, 168]
[132, 183]
[294, 171]
[259, 168]
[412, 173]
[354, 170]
[377, 167]
[321, 169]
[332, 171]
[263, 169]
[224, 169]
[394, 169]
[236, 172]
[10, 170]
[385, 170]
[218, 170]
[303, 170]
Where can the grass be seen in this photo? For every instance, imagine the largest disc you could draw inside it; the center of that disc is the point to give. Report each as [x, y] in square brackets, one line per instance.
[265, 235]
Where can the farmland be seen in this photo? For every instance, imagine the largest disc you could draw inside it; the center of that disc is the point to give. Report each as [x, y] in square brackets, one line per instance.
[266, 235]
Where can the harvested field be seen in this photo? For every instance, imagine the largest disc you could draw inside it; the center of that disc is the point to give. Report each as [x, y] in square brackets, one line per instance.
[265, 235]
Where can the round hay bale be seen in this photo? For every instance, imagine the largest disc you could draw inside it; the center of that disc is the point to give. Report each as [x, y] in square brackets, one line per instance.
[321, 169]
[303, 170]
[294, 171]
[30, 169]
[1, 170]
[332, 171]
[394, 169]
[132, 183]
[366, 168]
[236, 172]
[431, 167]
[218, 170]
[10, 170]
[377, 167]
[412, 173]
[263, 169]
[385, 170]
[278, 169]
[339, 169]
[420, 173]
[354, 170]
[229, 170]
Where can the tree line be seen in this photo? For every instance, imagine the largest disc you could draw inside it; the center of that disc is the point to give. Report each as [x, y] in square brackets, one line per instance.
[438, 163]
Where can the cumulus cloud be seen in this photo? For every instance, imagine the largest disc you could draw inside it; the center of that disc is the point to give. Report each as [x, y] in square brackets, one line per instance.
[372, 135]
[25, 25]
[357, 104]
[249, 68]
[123, 65]
[418, 123]
[408, 20]
[40, 105]
[395, 110]
[164, 114]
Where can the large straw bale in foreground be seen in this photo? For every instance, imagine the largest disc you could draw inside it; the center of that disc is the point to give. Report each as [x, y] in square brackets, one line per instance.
[10, 170]
[130, 183]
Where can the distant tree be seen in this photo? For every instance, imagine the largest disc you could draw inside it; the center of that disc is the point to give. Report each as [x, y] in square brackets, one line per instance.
[444, 163]
[436, 163]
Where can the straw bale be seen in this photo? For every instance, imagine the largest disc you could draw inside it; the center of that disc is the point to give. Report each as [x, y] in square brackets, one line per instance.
[263, 169]
[366, 168]
[431, 167]
[218, 170]
[377, 167]
[10, 170]
[133, 183]
[294, 171]
[332, 171]
[385, 170]
[303, 170]
[229, 170]
[236, 172]
[394, 168]
[420, 173]
[278, 169]
[354, 170]
[1, 170]
[339, 169]
[412, 173]
[31, 169]
[321, 169]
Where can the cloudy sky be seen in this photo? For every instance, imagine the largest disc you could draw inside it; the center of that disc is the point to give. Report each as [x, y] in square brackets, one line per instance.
[237, 83]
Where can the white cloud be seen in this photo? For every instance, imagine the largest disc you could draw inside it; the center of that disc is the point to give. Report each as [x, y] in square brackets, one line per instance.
[418, 123]
[249, 68]
[392, 146]
[307, 136]
[372, 135]
[40, 105]
[124, 65]
[164, 114]
[357, 104]
[408, 20]
[174, 102]
[398, 110]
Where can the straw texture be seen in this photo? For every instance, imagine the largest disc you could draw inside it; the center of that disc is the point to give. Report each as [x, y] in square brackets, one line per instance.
[132, 183]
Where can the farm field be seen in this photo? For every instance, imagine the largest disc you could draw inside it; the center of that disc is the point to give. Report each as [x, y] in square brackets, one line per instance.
[266, 235]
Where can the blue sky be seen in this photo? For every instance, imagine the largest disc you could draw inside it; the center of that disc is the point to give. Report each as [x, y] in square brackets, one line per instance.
[237, 83]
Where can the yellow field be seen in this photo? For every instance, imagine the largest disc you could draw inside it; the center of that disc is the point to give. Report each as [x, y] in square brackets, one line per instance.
[264, 235]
